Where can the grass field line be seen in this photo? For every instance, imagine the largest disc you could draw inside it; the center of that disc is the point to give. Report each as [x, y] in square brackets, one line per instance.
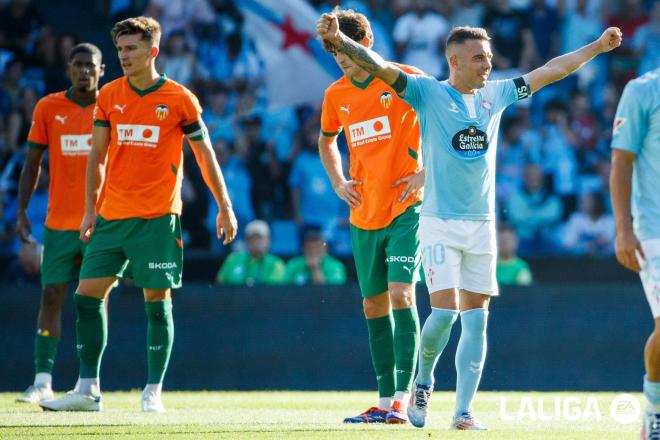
[318, 415]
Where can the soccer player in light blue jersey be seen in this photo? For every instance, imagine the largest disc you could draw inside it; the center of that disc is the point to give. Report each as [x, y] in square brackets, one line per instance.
[459, 121]
[634, 181]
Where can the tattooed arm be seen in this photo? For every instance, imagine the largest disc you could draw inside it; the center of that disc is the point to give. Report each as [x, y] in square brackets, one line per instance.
[327, 28]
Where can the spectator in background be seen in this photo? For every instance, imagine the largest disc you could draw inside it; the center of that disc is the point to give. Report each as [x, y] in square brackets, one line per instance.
[177, 61]
[21, 118]
[646, 42]
[219, 120]
[265, 170]
[313, 200]
[534, 212]
[419, 36]
[629, 18]
[468, 13]
[511, 269]
[20, 27]
[10, 88]
[511, 37]
[315, 266]
[179, 15]
[55, 52]
[590, 231]
[510, 157]
[544, 24]
[256, 266]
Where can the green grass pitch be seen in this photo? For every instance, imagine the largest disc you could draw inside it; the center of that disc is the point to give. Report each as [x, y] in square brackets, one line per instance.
[309, 415]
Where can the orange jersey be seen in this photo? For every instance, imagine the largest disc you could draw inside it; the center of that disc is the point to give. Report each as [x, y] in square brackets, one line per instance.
[64, 127]
[384, 142]
[144, 168]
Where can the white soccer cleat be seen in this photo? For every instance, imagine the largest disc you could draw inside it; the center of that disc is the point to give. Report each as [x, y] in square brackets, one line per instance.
[651, 426]
[467, 422]
[36, 393]
[73, 401]
[419, 404]
[152, 402]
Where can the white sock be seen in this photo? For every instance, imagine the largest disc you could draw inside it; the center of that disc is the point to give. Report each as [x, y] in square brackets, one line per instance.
[403, 397]
[89, 387]
[385, 403]
[153, 388]
[43, 380]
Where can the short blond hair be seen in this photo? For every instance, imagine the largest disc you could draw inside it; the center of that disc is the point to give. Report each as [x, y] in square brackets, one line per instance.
[147, 27]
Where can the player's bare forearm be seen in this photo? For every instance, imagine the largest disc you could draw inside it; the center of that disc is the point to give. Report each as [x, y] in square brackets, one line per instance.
[621, 188]
[331, 159]
[367, 59]
[29, 177]
[560, 67]
[211, 173]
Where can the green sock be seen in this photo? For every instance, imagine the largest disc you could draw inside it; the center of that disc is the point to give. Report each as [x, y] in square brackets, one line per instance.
[45, 348]
[381, 343]
[91, 334]
[160, 336]
[406, 345]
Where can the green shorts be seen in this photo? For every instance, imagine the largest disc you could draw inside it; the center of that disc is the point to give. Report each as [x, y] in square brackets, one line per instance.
[153, 247]
[62, 256]
[387, 255]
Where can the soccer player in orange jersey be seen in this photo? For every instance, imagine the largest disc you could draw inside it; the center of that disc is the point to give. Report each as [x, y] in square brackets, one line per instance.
[140, 120]
[384, 195]
[61, 125]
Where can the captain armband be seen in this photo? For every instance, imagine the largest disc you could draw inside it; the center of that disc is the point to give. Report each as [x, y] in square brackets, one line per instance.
[400, 84]
[196, 131]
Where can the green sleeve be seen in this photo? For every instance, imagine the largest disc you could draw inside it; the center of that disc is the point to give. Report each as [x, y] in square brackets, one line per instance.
[334, 271]
[274, 274]
[226, 269]
[292, 270]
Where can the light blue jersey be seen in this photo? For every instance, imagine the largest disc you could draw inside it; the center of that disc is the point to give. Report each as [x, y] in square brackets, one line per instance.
[459, 142]
[637, 129]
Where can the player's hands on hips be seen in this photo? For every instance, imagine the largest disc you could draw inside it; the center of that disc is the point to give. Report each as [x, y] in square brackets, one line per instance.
[346, 191]
[611, 39]
[414, 184]
[23, 227]
[226, 224]
[87, 226]
[627, 247]
[327, 27]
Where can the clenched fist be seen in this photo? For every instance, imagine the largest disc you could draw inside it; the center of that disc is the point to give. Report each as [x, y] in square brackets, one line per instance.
[327, 27]
[611, 39]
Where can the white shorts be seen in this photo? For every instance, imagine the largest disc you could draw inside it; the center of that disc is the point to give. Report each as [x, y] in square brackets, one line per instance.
[650, 274]
[459, 254]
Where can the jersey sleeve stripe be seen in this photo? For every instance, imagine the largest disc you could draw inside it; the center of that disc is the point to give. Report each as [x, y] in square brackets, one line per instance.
[36, 145]
[101, 123]
[191, 128]
[330, 133]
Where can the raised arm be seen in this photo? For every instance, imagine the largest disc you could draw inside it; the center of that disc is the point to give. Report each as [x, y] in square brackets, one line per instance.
[560, 67]
[94, 179]
[327, 28]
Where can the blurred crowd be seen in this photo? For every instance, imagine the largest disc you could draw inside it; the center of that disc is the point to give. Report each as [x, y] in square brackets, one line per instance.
[553, 158]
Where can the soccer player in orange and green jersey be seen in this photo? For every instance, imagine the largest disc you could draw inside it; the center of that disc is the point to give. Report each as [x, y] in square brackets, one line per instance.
[383, 138]
[139, 123]
[61, 126]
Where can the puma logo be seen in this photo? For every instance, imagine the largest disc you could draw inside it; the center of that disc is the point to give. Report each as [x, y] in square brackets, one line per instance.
[61, 119]
[121, 108]
[409, 269]
[346, 109]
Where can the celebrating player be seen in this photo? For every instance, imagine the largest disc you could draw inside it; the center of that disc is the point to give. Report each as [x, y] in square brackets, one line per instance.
[139, 123]
[61, 124]
[384, 195]
[634, 180]
[459, 120]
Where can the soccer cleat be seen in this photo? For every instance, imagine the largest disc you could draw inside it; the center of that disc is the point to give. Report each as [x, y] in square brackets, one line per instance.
[419, 404]
[467, 422]
[35, 394]
[152, 403]
[372, 415]
[73, 401]
[651, 426]
[396, 416]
